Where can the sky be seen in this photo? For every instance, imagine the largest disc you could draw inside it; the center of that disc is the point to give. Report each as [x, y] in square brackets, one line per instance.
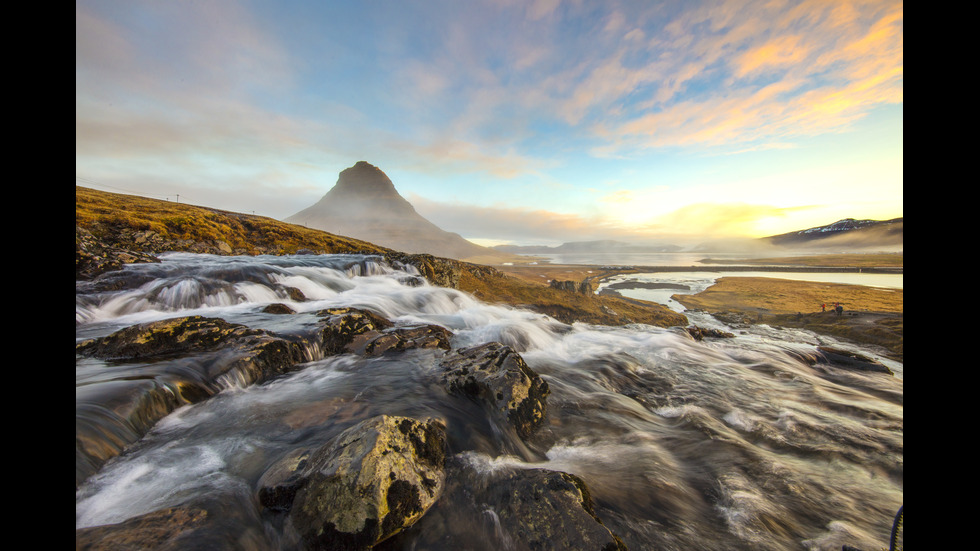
[506, 121]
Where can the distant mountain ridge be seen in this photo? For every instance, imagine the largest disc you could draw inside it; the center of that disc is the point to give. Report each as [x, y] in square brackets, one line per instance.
[603, 245]
[364, 204]
[847, 232]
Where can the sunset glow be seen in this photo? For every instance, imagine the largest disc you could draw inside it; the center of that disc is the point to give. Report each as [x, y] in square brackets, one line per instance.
[523, 122]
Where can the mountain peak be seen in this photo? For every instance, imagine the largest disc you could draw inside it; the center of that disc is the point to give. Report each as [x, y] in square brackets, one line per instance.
[364, 179]
[364, 204]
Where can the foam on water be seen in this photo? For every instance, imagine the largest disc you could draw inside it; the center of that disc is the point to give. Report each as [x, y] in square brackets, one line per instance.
[730, 443]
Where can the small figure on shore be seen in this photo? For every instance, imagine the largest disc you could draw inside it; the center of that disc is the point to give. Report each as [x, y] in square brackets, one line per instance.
[823, 307]
[839, 309]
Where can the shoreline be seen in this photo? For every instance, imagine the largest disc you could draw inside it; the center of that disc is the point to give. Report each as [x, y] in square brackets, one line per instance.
[872, 315]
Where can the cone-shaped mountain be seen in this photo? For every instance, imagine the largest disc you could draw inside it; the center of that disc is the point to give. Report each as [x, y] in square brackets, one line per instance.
[364, 204]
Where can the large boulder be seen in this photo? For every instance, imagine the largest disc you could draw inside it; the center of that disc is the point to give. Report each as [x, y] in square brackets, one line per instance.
[371, 482]
[497, 376]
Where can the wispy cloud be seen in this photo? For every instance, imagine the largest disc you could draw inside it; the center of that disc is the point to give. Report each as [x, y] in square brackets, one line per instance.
[217, 97]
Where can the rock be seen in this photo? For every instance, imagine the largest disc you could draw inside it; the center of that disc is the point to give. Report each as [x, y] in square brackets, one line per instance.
[548, 510]
[93, 257]
[700, 333]
[224, 520]
[851, 360]
[355, 331]
[496, 375]
[372, 481]
[162, 530]
[343, 326]
[514, 509]
[111, 414]
[585, 287]
[278, 308]
[442, 272]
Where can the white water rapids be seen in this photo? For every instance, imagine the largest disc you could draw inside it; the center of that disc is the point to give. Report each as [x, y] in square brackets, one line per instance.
[721, 444]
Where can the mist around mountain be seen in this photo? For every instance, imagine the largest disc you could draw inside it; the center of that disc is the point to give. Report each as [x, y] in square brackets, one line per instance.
[364, 204]
[847, 235]
[602, 245]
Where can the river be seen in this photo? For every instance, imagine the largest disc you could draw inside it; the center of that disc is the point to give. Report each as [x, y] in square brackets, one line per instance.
[715, 445]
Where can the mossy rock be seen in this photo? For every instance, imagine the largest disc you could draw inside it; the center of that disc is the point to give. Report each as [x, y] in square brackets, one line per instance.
[372, 481]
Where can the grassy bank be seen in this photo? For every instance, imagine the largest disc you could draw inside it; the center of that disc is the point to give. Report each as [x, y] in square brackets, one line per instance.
[871, 315]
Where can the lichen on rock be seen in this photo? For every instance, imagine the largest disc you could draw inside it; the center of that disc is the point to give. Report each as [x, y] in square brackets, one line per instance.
[497, 375]
[369, 483]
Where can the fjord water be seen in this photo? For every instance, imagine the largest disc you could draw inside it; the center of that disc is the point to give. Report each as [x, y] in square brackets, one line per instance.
[721, 444]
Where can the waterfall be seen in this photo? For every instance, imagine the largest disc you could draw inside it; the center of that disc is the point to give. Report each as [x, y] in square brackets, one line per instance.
[734, 443]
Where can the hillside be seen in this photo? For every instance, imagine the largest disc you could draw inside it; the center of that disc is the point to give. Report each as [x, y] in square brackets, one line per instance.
[845, 234]
[113, 229]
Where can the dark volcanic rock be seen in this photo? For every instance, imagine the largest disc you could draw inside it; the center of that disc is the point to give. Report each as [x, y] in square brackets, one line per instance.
[442, 272]
[514, 509]
[278, 308]
[700, 333]
[496, 375]
[851, 360]
[93, 257]
[111, 414]
[541, 509]
[224, 520]
[355, 331]
[374, 480]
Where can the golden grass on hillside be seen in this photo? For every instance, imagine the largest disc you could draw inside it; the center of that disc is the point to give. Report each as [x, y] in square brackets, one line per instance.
[567, 306]
[871, 315]
[784, 296]
[102, 213]
[114, 218]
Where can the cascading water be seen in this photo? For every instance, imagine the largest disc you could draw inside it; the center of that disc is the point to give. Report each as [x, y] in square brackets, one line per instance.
[723, 444]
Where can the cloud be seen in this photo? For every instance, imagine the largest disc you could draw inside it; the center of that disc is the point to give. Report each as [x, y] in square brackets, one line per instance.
[724, 75]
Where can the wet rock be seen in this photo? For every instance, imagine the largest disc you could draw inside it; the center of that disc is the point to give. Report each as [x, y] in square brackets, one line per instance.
[112, 415]
[278, 308]
[164, 337]
[515, 509]
[224, 520]
[238, 354]
[372, 481]
[344, 329]
[541, 509]
[188, 360]
[442, 272]
[851, 360]
[496, 375]
[700, 333]
[355, 331]
[164, 529]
